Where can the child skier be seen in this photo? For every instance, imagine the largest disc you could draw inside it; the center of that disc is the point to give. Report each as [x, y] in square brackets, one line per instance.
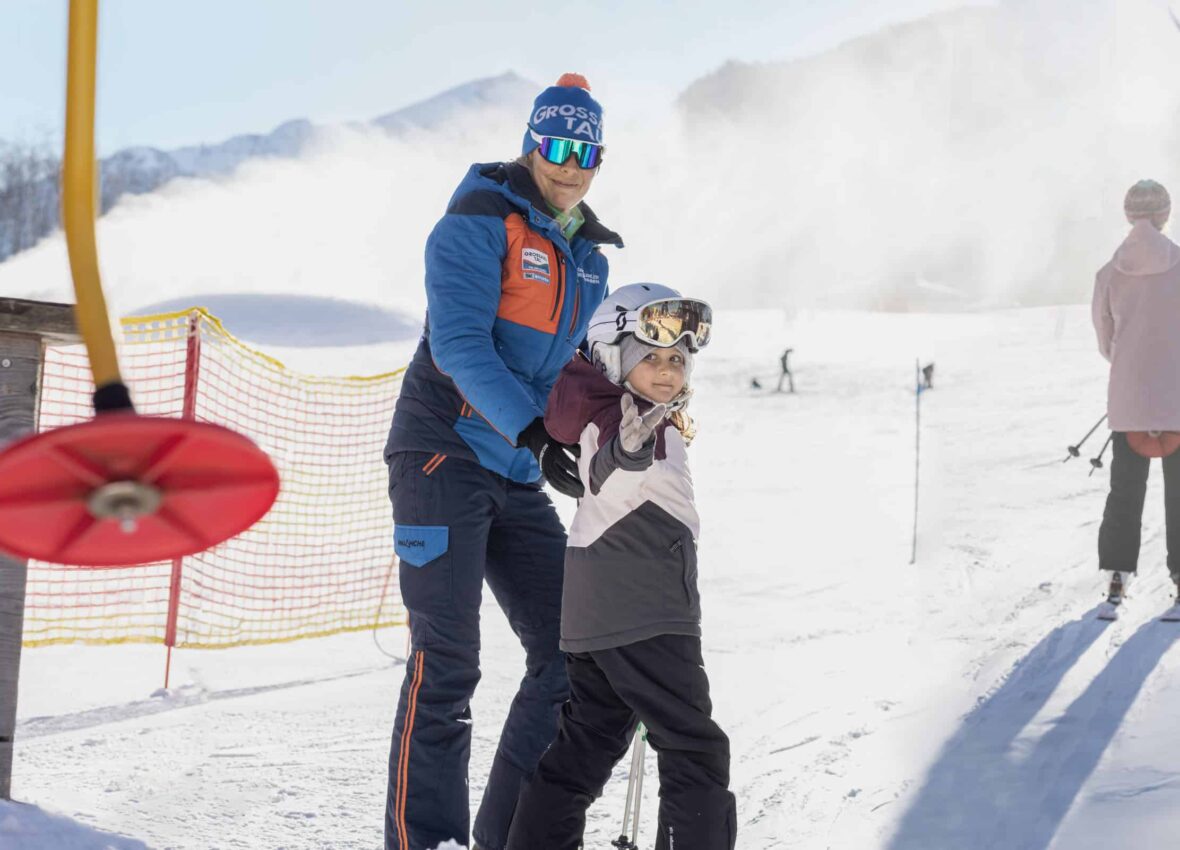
[630, 618]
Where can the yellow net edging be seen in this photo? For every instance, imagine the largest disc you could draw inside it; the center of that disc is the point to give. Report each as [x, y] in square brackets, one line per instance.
[320, 563]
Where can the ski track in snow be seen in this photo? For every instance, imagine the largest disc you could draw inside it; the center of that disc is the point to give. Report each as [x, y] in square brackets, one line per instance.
[969, 701]
[187, 697]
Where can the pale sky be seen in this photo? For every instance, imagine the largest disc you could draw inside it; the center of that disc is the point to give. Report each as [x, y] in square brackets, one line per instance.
[174, 73]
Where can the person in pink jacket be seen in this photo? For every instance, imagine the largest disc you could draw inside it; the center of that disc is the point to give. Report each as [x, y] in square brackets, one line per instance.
[1136, 312]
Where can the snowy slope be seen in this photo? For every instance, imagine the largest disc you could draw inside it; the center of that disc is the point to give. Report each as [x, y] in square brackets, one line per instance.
[969, 701]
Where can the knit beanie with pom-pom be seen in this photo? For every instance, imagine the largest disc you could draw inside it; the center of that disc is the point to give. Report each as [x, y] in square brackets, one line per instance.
[565, 111]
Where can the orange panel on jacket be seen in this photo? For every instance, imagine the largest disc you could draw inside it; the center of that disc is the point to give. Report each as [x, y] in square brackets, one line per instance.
[531, 282]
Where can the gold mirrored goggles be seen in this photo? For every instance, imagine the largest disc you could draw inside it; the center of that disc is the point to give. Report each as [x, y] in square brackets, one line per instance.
[664, 323]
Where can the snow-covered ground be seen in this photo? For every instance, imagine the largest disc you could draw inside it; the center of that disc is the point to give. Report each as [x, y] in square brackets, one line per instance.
[969, 700]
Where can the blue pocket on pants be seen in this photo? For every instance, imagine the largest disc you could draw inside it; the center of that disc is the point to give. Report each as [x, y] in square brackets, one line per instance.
[418, 545]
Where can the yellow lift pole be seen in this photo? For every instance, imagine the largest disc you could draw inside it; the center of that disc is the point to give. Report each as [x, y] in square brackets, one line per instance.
[119, 489]
[79, 194]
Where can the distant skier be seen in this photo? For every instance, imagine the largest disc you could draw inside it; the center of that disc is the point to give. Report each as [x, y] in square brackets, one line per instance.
[928, 376]
[631, 617]
[785, 364]
[1136, 312]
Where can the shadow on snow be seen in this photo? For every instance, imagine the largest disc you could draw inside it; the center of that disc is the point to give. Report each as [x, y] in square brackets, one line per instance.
[986, 789]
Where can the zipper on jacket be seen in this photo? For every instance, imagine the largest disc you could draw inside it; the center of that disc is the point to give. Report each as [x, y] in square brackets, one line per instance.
[560, 286]
[677, 548]
[574, 317]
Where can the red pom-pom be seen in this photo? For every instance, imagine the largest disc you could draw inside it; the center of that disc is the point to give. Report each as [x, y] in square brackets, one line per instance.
[574, 81]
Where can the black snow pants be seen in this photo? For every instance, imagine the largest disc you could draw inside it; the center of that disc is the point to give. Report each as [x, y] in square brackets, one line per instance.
[662, 682]
[1122, 522]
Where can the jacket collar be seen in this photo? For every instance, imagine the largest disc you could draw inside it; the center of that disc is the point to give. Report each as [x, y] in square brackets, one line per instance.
[519, 182]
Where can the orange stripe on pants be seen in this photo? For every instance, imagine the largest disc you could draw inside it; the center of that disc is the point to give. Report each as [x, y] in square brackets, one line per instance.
[403, 762]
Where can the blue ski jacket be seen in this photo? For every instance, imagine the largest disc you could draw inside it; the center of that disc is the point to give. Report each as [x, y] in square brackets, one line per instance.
[509, 299]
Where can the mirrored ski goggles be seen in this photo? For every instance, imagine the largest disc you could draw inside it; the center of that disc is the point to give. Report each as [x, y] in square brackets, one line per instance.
[664, 323]
[557, 150]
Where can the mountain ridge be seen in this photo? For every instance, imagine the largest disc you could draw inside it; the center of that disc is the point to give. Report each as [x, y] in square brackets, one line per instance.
[141, 169]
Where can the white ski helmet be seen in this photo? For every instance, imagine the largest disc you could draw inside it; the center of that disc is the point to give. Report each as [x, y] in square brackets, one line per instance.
[617, 316]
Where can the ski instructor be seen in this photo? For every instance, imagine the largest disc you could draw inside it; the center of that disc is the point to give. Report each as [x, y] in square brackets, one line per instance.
[514, 270]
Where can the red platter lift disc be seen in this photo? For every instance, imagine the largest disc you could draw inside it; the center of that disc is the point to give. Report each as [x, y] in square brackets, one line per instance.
[125, 489]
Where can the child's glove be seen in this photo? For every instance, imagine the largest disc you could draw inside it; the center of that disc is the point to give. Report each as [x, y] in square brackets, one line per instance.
[558, 460]
[636, 430]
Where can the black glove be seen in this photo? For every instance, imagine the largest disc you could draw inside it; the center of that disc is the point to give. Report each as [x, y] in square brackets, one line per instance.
[558, 460]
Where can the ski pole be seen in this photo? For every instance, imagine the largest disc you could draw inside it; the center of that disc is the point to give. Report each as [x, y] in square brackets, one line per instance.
[637, 753]
[638, 788]
[1075, 451]
[1096, 462]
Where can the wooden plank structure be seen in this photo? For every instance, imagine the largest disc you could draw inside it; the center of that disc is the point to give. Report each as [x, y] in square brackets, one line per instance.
[25, 328]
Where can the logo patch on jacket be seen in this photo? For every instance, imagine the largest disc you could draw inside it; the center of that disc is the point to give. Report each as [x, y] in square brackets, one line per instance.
[589, 277]
[534, 265]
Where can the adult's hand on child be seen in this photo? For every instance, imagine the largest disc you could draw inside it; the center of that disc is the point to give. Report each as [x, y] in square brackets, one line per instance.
[558, 460]
[636, 429]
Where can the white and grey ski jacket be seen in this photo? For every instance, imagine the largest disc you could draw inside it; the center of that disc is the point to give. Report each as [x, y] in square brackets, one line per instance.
[631, 563]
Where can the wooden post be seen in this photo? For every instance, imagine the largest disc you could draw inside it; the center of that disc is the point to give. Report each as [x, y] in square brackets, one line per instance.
[24, 328]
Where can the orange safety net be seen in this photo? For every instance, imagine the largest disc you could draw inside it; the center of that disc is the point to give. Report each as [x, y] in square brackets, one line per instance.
[321, 562]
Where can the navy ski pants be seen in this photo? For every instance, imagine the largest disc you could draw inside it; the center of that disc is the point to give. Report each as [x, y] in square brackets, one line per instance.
[1122, 521]
[457, 524]
[662, 682]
